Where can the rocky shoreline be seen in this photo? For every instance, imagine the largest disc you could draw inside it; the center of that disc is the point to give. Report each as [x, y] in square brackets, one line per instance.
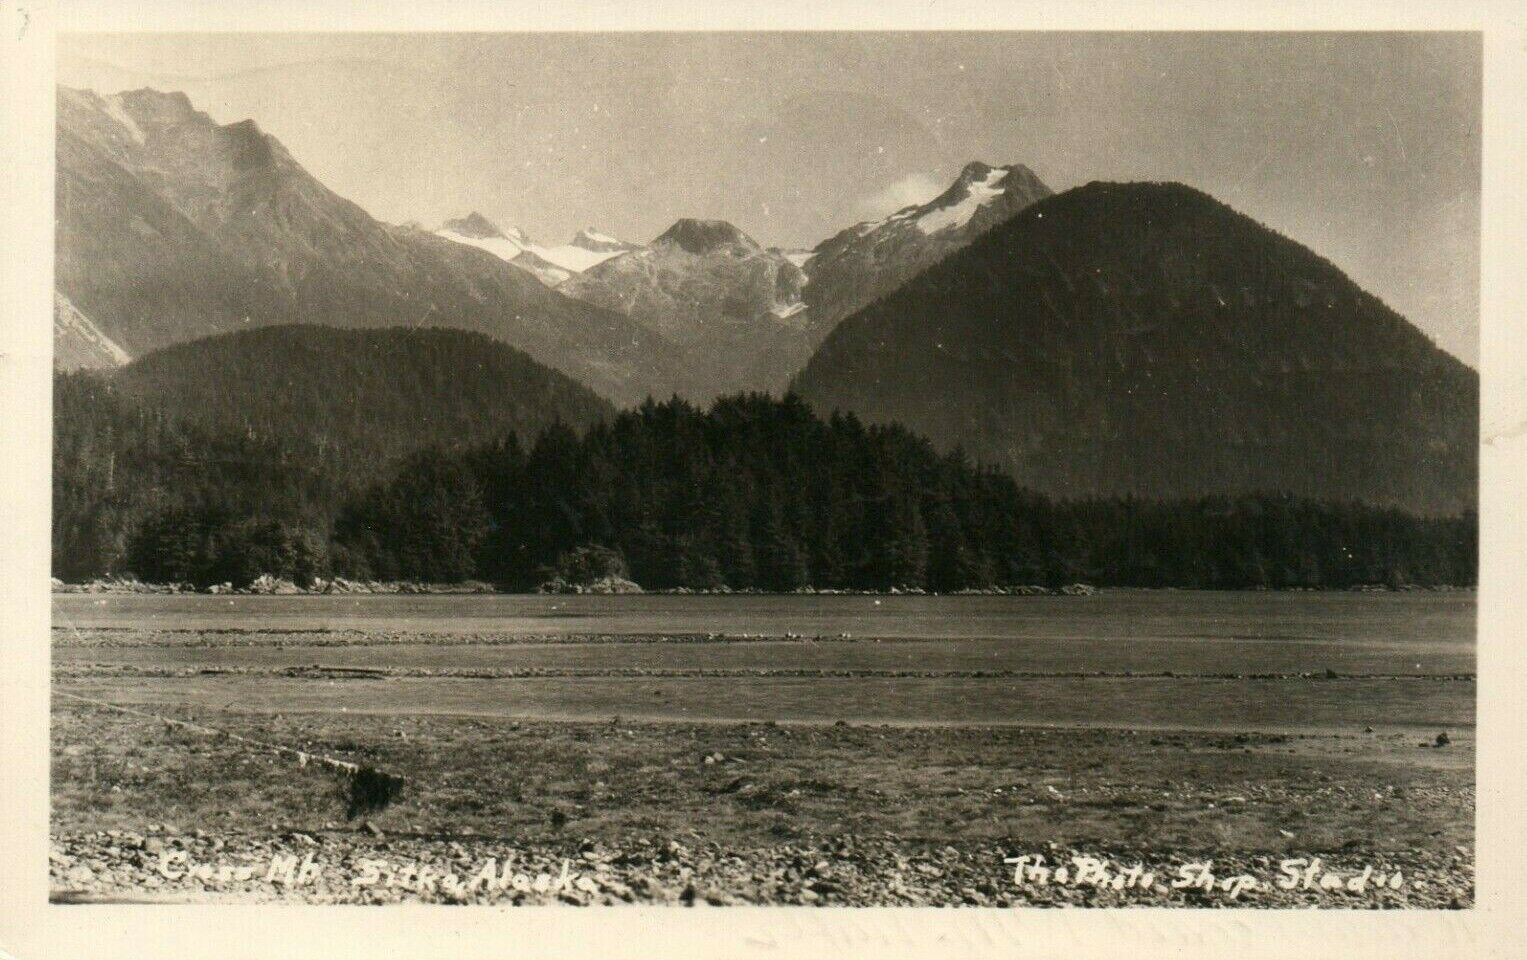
[368, 866]
[268, 585]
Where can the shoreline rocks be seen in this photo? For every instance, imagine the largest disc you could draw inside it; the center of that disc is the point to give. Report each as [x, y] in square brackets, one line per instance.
[603, 585]
[268, 585]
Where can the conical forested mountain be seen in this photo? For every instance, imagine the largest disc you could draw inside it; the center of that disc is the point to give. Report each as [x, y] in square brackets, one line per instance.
[1146, 339]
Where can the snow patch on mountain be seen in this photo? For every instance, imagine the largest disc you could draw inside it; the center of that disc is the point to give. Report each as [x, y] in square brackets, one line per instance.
[544, 270]
[114, 109]
[591, 239]
[551, 264]
[870, 226]
[78, 343]
[978, 194]
[574, 258]
[501, 246]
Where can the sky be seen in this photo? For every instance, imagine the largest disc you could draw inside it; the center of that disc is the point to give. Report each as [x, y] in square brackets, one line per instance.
[1365, 147]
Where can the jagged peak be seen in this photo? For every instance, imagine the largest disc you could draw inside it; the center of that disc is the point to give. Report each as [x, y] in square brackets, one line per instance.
[704, 236]
[978, 184]
[250, 146]
[78, 93]
[980, 170]
[591, 239]
[173, 98]
[975, 174]
[160, 107]
[474, 225]
[139, 112]
[976, 170]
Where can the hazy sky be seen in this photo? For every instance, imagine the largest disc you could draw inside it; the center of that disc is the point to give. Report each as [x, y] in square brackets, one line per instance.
[1365, 147]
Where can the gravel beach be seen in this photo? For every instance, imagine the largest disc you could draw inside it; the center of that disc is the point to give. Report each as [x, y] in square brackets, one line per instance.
[844, 871]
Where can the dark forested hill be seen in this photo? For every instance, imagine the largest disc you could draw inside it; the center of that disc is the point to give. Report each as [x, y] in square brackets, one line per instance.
[281, 423]
[1145, 339]
[172, 227]
[120, 466]
[354, 400]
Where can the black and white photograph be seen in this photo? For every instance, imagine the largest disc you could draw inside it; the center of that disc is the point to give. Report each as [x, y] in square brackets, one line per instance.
[977, 469]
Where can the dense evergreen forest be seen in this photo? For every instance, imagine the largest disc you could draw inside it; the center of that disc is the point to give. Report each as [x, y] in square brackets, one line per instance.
[754, 493]
[122, 467]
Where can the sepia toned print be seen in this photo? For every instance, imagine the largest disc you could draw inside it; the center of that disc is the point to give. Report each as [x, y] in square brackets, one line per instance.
[983, 470]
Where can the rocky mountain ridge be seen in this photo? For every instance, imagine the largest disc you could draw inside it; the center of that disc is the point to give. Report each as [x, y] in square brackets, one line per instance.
[713, 290]
[173, 227]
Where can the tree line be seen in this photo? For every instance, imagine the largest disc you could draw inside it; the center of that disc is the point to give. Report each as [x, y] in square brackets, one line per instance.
[751, 493]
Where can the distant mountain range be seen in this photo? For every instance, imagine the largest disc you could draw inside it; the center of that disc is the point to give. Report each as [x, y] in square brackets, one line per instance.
[172, 227]
[1145, 339]
[1129, 339]
[712, 290]
[747, 317]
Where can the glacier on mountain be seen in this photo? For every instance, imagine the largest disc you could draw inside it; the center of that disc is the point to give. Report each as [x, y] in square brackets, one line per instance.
[978, 194]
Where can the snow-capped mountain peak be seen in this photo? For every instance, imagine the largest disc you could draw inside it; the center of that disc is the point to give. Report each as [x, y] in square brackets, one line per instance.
[707, 236]
[865, 262]
[551, 265]
[977, 186]
[475, 225]
[475, 230]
